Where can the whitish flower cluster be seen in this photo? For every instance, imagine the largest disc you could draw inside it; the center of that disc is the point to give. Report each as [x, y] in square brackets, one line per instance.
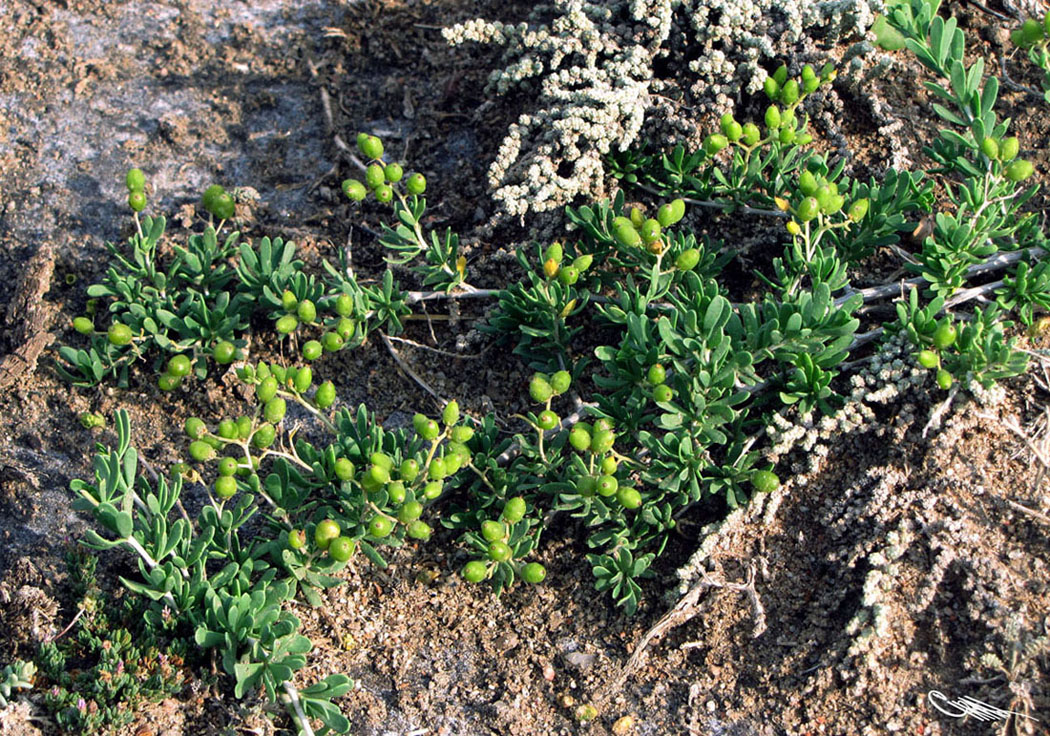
[589, 66]
[891, 374]
[738, 40]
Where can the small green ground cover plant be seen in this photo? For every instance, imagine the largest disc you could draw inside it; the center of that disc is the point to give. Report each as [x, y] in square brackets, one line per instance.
[669, 418]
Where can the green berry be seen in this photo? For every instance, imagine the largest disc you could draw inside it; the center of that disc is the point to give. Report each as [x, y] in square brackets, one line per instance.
[119, 334]
[752, 134]
[663, 393]
[928, 359]
[374, 177]
[344, 305]
[493, 531]
[602, 441]
[1009, 148]
[650, 231]
[224, 352]
[384, 194]
[286, 324]
[608, 465]
[625, 233]
[944, 379]
[416, 184]
[656, 375]
[408, 470]
[714, 143]
[312, 350]
[83, 325]
[533, 573]
[773, 118]
[945, 336]
[264, 436]
[266, 389]
[1031, 32]
[437, 469]
[787, 135]
[395, 492]
[244, 427]
[547, 420]
[433, 489]
[380, 526]
[296, 539]
[195, 428]
[431, 430]
[451, 413]
[990, 147]
[168, 382]
[354, 190]
[474, 571]
[378, 475]
[580, 438]
[135, 180]
[211, 196]
[289, 301]
[325, 532]
[858, 210]
[671, 212]
[325, 395]
[807, 183]
[201, 451]
[1019, 170]
[514, 510]
[629, 498]
[607, 485]
[371, 147]
[568, 275]
[227, 429]
[771, 88]
[789, 93]
[306, 311]
[223, 207]
[275, 409]
[586, 486]
[225, 486]
[393, 173]
[765, 481]
[540, 389]
[409, 512]
[807, 209]
[332, 342]
[341, 549]
[304, 377]
[461, 434]
[687, 259]
[560, 382]
[344, 469]
[179, 365]
[500, 551]
[227, 466]
[419, 530]
[137, 200]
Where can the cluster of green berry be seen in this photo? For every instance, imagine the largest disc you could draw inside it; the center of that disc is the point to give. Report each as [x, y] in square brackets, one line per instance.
[656, 377]
[566, 273]
[781, 122]
[503, 541]
[942, 338]
[816, 199]
[639, 231]
[218, 202]
[135, 181]
[1004, 151]
[178, 366]
[338, 330]
[379, 176]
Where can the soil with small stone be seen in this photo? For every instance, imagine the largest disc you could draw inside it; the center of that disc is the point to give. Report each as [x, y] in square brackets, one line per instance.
[264, 95]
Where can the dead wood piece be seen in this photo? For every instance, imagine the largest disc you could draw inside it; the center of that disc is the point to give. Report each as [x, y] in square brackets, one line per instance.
[683, 611]
[28, 317]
